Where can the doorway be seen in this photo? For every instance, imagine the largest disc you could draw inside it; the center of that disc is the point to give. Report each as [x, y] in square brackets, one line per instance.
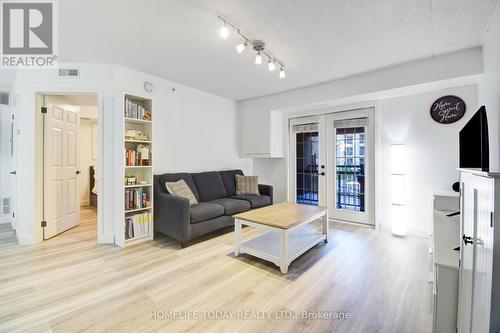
[69, 159]
[332, 164]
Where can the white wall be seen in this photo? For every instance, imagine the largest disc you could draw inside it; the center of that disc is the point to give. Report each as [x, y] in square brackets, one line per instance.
[489, 89]
[193, 131]
[402, 96]
[432, 153]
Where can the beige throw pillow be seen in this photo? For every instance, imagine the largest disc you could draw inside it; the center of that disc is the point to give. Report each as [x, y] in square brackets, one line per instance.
[181, 189]
[247, 185]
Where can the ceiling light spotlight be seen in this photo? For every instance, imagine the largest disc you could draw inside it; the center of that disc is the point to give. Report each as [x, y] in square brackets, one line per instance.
[282, 72]
[241, 46]
[224, 31]
[270, 65]
[258, 58]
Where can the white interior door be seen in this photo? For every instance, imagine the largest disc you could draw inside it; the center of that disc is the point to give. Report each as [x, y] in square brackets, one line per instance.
[308, 161]
[61, 193]
[351, 166]
[13, 169]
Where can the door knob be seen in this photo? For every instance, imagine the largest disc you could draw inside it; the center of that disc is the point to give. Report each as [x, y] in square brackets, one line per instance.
[78, 172]
[13, 172]
[322, 174]
[467, 240]
[322, 166]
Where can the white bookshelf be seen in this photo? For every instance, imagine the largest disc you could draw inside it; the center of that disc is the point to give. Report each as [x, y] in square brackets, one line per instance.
[138, 210]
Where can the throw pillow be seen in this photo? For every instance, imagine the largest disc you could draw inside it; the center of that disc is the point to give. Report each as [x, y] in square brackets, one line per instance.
[247, 185]
[181, 189]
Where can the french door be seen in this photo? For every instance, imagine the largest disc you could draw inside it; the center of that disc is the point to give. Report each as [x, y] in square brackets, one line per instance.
[351, 166]
[332, 164]
[307, 148]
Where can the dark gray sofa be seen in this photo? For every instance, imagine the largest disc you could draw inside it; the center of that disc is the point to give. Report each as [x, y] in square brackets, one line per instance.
[216, 194]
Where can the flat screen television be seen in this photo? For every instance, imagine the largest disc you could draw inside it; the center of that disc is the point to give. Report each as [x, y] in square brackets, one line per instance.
[474, 145]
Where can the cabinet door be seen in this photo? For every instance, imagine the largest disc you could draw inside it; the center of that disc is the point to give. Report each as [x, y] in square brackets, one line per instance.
[476, 254]
[483, 256]
[466, 257]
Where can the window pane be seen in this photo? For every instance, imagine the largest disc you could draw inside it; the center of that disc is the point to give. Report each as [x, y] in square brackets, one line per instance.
[307, 149]
[350, 148]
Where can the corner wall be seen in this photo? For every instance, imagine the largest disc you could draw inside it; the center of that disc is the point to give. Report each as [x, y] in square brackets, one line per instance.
[489, 89]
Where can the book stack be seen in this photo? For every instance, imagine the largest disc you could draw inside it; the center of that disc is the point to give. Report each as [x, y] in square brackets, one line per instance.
[134, 110]
[137, 225]
[133, 158]
[136, 198]
[136, 158]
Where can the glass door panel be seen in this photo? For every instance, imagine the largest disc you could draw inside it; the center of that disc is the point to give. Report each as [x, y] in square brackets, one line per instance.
[350, 168]
[307, 170]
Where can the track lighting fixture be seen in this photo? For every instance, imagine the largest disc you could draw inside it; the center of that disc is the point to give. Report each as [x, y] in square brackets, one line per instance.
[258, 58]
[282, 72]
[270, 65]
[257, 45]
[224, 31]
[241, 46]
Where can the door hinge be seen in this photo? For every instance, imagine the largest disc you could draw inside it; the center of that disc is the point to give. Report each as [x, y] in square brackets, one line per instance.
[12, 116]
[459, 262]
[13, 215]
[491, 219]
[44, 109]
[44, 224]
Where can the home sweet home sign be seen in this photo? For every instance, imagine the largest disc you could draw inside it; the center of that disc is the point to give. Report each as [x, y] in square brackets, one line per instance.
[448, 109]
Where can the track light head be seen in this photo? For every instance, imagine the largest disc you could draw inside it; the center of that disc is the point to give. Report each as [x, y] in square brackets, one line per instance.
[258, 58]
[224, 31]
[282, 72]
[241, 47]
[270, 65]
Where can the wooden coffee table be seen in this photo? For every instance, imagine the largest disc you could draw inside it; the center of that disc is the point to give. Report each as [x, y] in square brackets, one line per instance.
[288, 234]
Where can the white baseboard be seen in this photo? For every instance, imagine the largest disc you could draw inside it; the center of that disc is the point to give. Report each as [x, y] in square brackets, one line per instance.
[26, 239]
[105, 239]
[5, 219]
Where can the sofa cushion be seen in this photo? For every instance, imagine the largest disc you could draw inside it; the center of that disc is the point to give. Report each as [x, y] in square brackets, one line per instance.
[181, 189]
[255, 201]
[247, 185]
[205, 211]
[173, 177]
[228, 177]
[209, 185]
[232, 206]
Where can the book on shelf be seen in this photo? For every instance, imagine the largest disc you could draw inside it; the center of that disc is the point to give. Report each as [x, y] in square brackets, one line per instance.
[136, 198]
[137, 158]
[138, 225]
[135, 110]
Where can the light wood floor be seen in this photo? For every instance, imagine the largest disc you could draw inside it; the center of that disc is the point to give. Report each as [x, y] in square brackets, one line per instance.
[69, 283]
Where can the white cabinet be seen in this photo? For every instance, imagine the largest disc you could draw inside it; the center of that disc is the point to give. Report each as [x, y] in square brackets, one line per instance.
[446, 231]
[479, 292]
[261, 133]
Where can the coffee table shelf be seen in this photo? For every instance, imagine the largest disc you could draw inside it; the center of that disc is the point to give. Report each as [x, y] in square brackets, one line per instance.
[288, 232]
[300, 241]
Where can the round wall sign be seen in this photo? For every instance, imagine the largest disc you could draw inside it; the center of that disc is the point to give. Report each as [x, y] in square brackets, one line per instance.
[448, 109]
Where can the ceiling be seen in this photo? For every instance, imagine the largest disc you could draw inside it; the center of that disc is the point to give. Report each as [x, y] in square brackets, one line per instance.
[317, 40]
